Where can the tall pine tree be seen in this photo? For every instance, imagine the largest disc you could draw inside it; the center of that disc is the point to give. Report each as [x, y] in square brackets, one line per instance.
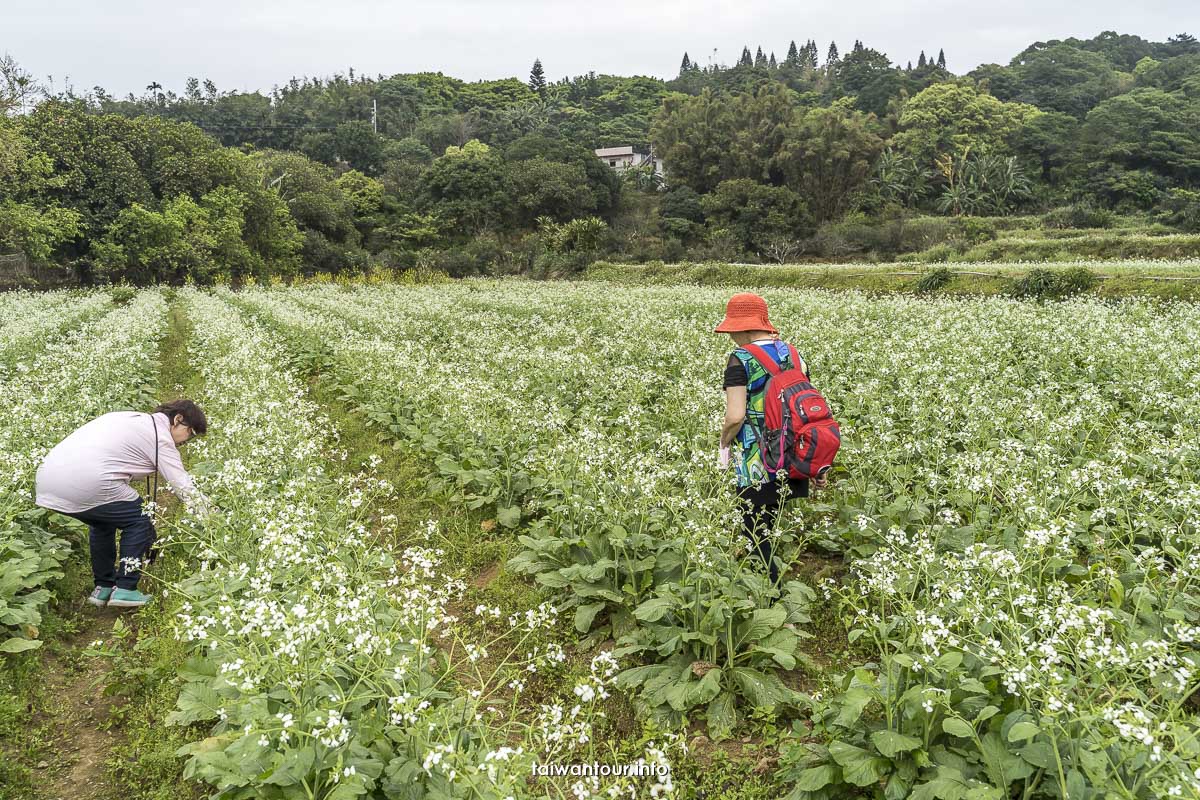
[759, 59]
[941, 62]
[921, 61]
[832, 56]
[810, 55]
[793, 56]
[746, 59]
[686, 65]
[537, 77]
[909, 67]
[771, 62]
[858, 46]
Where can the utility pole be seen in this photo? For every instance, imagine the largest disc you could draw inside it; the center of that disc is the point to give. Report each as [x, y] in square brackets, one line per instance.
[375, 115]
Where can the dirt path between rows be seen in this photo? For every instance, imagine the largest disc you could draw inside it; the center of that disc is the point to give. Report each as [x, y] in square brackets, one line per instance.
[77, 715]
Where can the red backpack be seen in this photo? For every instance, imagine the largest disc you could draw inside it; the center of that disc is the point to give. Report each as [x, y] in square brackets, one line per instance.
[801, 434]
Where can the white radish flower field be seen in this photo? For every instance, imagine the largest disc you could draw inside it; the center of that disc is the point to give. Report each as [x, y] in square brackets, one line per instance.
[998, 595]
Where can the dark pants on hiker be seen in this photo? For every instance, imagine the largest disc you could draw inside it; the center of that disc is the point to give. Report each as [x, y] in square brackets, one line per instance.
[759, 518]
[137, 536]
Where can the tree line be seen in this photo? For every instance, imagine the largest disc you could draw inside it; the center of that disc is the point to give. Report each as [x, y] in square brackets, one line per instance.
[347, 172]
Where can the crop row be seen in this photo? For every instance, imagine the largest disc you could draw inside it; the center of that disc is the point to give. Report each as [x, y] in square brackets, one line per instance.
[52, 386]
[329, 663]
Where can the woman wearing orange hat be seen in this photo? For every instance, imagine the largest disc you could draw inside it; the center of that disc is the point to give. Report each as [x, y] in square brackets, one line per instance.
[745, 382]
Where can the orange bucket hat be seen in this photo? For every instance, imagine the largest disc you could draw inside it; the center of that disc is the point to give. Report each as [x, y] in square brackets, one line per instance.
[745, 312]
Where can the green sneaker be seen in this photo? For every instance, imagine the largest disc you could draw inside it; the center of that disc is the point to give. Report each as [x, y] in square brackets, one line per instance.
[128, 598]
[99, 596]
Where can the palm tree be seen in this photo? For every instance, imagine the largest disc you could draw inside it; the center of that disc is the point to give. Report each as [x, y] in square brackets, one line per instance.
[156, 87]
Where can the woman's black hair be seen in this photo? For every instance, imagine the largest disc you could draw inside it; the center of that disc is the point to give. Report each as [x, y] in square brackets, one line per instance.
[193, 417]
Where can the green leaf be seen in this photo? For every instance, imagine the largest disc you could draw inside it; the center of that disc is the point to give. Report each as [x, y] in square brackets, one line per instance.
[585, 615]
[17, 645]
[940, 789]
[949, 660]
[1003, 766]
[761, 689]
[707, 689]
[780, 657]
[763, 622]
[654, 609]
[1022, 731]
[814, 778]
[197, 702]
[509, 517]
[890, 743]
[722, 716]
[958, 727]
[986, 713]
[859, 766]
[636, 676]
[853, 702]
[1040, 754]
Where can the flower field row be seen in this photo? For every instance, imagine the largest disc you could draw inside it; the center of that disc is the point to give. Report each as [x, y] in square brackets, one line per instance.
[28, 321]
[331, 664]
[1016, 502]
[51, 386]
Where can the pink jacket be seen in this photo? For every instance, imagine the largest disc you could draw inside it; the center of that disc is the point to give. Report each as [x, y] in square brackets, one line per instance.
[94, 465]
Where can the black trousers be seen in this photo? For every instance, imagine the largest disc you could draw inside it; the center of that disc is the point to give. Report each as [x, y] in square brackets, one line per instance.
[764, 504]
[137, 536]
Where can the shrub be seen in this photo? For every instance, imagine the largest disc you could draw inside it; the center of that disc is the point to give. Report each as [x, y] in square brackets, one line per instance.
[1181, 210]
[121, 295]
[1079, 215]
[933, 280]
[976, 230]
[1046, 284]
[1077, 279]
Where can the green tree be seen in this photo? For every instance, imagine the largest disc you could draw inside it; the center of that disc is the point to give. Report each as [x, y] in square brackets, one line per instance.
[541, 188]
[710, 138]
[1047, 142]
[831, 55]
[828, 155]
[947, 118]
[754, 214]
[600, 181]
[36, 232]
[537, 77]
[681, 202]
[694, 135]
[1137, 144]
[469, 186]
[357, 144]
[17, 87]
[1059, 77]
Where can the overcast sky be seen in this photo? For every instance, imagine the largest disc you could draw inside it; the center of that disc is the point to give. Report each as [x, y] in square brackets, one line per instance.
[123, 45]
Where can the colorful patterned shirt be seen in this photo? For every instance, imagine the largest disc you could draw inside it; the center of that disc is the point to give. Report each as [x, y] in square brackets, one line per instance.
[749, 466]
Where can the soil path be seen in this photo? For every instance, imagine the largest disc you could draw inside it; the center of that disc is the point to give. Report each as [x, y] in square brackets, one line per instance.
[77, 715]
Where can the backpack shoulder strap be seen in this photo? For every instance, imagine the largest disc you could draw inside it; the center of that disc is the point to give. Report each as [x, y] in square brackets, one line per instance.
[797, 362]
[762, 358]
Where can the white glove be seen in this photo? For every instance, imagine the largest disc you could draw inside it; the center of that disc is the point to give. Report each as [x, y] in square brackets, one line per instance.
[723, 458]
